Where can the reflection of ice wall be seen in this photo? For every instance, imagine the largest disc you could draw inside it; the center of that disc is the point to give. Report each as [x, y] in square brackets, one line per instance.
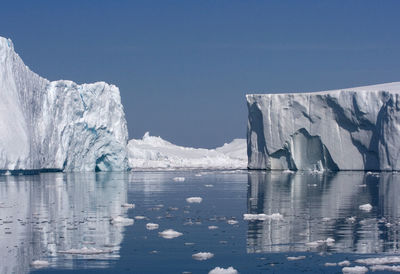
[317, 207]
[55, 212]
[57, 125]
[352, 129]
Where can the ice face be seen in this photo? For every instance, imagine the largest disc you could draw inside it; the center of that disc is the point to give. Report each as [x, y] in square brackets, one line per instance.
[58, 125]
[349, 129]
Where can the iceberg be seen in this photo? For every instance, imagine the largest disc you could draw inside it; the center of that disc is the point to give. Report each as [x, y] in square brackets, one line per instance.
[347, 129]
[153, 152]
[57, 125]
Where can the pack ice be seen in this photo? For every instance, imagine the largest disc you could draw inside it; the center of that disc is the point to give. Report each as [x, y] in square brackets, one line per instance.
[347, 129]
[60, 124]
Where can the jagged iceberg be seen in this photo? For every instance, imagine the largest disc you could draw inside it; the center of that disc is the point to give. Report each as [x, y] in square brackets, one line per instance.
[153, 152]
[57, 125]
[349, 129]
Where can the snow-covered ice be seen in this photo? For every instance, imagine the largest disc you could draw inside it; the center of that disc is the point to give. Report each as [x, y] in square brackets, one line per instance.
[58, 125]
[232, 222]
[354, 269]
[152, 226]
[170, 234]
[39, 264]
[85, 251]
[221, 270]
[262, 217]
[194, 200]
[379, 260]
[121, 221]
[390, 268]
[202, 256]
[344, 263]
[295, 258]
[366, 207]
[153, 152]
[348, 129]
[128, 205]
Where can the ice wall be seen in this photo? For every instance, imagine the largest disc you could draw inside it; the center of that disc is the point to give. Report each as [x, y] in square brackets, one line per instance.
[60, 124]
[349, 129]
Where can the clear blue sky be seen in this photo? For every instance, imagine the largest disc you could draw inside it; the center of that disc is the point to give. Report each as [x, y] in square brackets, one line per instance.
[183, 67]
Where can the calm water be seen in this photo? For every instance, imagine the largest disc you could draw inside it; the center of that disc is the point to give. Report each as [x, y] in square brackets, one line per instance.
[43, 216]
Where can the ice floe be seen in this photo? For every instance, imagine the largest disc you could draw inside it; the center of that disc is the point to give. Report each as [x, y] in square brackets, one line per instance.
[366, 207]
[296, 258]
[121, 221]
[220, 270]
[202, 256]
[152, 226]
[354, 269]
[170, 234]
[262, 217]
[39, 264]
[193, 200]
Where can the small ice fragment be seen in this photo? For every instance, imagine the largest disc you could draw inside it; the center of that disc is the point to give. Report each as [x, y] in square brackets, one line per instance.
[151, 226]
[330, 264]
[128, 205]
[198, 175]
[366, 207]
[169, 234]
[343, 263]
[202, 256]
[140, 217]
[8, 173]
[212, 227]
[329, 240]
[85, 251]
[39, 264]
[220, 270]
[232, 222]
[354, 270]
[379, 260]
[296, 258]
[121, 221]
[179, 179]
[391, 268]
[209, 185]
[351, 219]
[192, 200]
[326, 219]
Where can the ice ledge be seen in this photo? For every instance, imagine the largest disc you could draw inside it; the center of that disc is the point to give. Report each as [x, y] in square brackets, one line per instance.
[349, 129]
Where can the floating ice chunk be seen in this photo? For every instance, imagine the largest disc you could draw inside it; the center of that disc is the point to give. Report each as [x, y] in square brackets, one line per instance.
[212, 227]
[121, 221]
[8, 173]
[344, 263]
[330, 264]
[202, 256]
[179, 179]
[169, 234]
[366, 207]
[232, 222]
[296, 258]
[128, 205]
[139, 217]
[378, 261]
[151, 226]
[85, 251]
[392, 268]
[354, 269]
[328, 241]
[209, 185]
[262, 217]
[39, 264]
[351, 219]
[220, 270]
[192, 200]
[198, 175]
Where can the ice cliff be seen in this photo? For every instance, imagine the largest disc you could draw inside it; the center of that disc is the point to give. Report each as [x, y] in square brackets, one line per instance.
[153, 152]
[57, 125]
[349, 129]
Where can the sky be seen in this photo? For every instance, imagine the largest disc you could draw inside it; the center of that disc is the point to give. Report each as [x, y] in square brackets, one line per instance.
[184, 67]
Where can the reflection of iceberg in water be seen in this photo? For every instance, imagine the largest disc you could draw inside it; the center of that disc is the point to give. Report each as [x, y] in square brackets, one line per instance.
[44, 214]
[318, 207]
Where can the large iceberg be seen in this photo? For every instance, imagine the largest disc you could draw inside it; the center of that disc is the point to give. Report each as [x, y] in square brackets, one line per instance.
[348, 129]
[57, 125]
[153, 152]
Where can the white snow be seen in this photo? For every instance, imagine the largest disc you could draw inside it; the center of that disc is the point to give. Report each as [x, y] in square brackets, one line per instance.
[85, 251]
[152, 152]
[170, 234]
[121, 221]
[262, 217]
[221, 270]
[152, 226]
[366, 207]
[39, 264]
[60, 124]
[348, 129]
[379, 260]
[391, 268]
[202, 256]
[354, 269]
[296, 258]
[194, 200]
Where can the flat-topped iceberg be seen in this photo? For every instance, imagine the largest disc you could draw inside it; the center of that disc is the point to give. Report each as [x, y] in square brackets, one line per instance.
[348, 129]
[57, 125]
[153, 152]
